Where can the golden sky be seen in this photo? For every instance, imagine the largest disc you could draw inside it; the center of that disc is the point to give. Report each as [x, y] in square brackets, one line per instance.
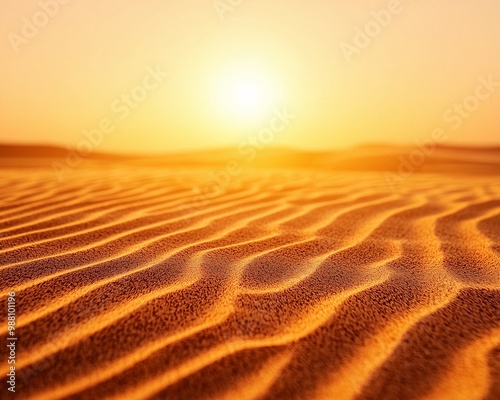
[177, 75]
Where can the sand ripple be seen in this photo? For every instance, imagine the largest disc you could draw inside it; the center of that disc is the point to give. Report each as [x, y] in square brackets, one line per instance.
[289, 285]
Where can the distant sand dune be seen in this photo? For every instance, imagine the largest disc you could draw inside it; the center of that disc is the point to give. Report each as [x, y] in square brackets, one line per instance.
[294, 283]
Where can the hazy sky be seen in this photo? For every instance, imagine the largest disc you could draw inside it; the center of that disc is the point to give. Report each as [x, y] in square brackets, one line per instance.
[86, 65]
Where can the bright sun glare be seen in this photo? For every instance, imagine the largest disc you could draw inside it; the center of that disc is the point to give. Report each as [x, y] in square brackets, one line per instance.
[244, 96]
[248, 94]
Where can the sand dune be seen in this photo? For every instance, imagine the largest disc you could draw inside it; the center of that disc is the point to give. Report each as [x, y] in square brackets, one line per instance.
[309, 281]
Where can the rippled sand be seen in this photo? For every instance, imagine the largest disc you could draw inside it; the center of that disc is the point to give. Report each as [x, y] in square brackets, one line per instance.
[290, 283]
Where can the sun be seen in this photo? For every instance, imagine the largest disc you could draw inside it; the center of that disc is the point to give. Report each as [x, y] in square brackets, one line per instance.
[244, 95]
[248, 93]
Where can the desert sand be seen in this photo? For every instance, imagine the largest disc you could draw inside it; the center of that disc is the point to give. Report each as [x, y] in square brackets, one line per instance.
[306, 276]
